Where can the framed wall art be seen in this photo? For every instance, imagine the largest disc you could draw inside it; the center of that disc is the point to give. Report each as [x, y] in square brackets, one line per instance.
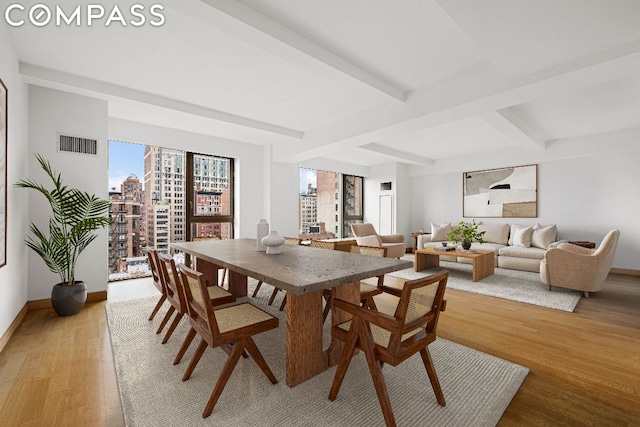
[4, 115]
[501, 193]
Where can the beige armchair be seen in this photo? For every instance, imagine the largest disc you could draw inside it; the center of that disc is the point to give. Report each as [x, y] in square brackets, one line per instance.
[575, 267]
[366, 235]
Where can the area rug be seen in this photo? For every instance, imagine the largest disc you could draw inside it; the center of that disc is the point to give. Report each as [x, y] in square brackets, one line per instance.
[478, 387]
[514, 285]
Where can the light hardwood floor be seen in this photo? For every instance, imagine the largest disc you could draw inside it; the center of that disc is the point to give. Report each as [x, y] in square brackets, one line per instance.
[585, 366]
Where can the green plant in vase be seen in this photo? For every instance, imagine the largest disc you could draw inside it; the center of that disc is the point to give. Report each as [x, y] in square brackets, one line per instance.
[466, 234]
[76, 216]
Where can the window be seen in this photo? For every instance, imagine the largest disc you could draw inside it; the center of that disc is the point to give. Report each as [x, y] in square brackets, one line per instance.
[352, 194]
[212, 213]
[320, 217]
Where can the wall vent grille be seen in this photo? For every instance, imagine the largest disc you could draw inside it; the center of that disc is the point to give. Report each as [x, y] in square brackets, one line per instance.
[77, 144]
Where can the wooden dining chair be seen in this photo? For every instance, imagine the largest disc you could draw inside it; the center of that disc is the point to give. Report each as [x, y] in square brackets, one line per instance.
[393, 339]
[326, 294]
[158, 282]
[175, 294]
[233, 325]
[368, 291]
[225, 271]
[287, 241]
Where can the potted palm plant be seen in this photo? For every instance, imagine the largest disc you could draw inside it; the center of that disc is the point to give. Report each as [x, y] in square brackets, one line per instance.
[76, 216]
[466, 233]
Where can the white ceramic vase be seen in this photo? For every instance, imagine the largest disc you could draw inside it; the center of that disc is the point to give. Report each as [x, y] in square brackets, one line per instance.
[273, 242]
[262, 232]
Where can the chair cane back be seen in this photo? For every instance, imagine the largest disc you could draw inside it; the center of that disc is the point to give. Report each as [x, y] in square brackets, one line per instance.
[232, 325]
[326, 294]
[393, 339]
[367, 291]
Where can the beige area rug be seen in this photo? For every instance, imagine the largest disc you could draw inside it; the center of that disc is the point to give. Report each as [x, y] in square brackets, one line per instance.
[478, 387]
[514, 285]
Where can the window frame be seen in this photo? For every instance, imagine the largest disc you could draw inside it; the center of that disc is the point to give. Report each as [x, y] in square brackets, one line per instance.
[345, 217]
[190, 215]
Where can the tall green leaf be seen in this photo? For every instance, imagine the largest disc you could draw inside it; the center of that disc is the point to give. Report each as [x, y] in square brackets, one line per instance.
[75, 217]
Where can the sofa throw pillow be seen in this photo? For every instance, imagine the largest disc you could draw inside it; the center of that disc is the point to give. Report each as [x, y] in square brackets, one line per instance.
[512, 232]
[495, 233]
[542, 237]
[522, 237]
[439, 232]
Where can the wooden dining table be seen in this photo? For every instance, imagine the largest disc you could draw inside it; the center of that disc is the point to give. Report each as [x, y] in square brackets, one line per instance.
[304, 273]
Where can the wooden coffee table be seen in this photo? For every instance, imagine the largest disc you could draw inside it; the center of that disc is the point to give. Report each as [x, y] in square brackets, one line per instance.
[482, 260]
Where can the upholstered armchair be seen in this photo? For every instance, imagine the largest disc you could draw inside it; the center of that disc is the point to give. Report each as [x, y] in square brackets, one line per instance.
[366, 235]
[575, 267]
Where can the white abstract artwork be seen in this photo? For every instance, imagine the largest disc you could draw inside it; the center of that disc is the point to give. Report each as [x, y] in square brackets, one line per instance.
[501, 193]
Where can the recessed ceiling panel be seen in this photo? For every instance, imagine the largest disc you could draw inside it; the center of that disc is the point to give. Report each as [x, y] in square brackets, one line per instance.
[602, 108]
[408, 43]
[462, 137]
[522, 37]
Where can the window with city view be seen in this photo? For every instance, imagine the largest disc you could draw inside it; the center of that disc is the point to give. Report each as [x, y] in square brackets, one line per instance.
[329, 202]
[153, 212]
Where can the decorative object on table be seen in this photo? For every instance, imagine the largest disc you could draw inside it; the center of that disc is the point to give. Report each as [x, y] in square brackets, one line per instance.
[273, 242]
[262, 232]
[76, 217]
[3, 173]
[503, 193]
[466, 233]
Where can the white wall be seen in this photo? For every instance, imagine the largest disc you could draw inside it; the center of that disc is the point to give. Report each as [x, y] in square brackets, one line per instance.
[249, 166]
[398, 175]
[50, 112]
[13, 276]
[585, 195]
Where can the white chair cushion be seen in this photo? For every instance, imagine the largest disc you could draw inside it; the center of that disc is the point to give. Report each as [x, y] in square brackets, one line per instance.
[372, 240]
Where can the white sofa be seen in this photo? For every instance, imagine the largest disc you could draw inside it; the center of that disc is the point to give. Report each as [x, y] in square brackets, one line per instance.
[516, 246]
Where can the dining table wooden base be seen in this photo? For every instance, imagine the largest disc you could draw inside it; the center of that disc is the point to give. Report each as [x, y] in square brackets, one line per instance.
[306, 356]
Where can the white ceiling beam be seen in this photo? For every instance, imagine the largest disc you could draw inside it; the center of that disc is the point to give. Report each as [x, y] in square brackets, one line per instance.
[251, 26]
[401, 156]
[511, 125]
[55, 79]
[471, 93]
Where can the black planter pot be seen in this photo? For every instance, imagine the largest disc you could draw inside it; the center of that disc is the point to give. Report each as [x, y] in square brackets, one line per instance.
[466, 245]
[68, 300]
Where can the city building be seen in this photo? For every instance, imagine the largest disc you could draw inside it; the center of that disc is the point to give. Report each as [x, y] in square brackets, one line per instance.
[164, 182]
[308, 203]
[126, 238]
[329, 203]
[165, 195]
